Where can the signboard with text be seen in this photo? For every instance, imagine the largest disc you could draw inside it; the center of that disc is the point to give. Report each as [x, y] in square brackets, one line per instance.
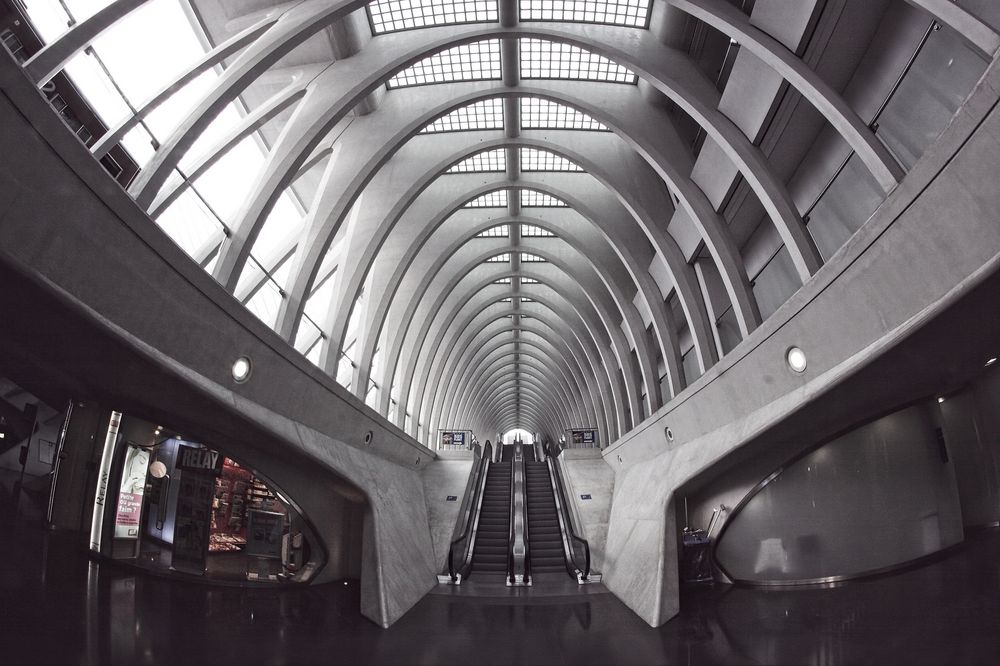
[130, 493]
[582, 438]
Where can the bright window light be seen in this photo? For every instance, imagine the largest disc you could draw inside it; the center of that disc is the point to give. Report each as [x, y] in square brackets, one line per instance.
[532, 231]
[392, 15]
[484, 115]
[499, 258]
[533, 159]
[632, 13]
[538, 113]
[494, 199]
[553, 60]
[528, 280]
[486, 162]
[525, 299]
[528, 258]
[505, 280]
[499, 231]
[478, 61]
[506, 300]
[534, 198]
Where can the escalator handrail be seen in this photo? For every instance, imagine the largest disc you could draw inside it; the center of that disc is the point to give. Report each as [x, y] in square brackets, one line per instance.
[472, 520]
[566, 525]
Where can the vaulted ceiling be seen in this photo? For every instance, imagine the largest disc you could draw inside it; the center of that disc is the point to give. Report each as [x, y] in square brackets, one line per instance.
[486, 215]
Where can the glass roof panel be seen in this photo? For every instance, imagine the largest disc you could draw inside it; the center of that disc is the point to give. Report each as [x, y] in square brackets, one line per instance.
[486, 162]
[503, 280]
[533, 159]
[484, 115]
[529, 258]
[538, 113]
[534, 198]
[632, 13]
[494, 199]
[528, 280]
[542, 59]
[478, 61]
[392, 15]
[499, 258]
[533, 231]
[499, 231]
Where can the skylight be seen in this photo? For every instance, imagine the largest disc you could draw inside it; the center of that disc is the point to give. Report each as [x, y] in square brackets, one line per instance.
[632, 13]
[392, 15]
[553, 60]
[534, 198]
[525, 299]
[528, 258]
[533, 159]
[528, 280]
[494, 199]
[499, 231]
[538, 113]
[499, 258]
[532, 231]
[504, 280]
[484, 115]
[489, 161]
[467, 62]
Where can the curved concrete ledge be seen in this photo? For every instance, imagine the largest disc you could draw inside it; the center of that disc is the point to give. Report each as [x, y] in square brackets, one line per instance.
[899, 271]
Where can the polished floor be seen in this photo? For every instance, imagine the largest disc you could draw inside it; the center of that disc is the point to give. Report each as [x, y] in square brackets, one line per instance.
[57, 607]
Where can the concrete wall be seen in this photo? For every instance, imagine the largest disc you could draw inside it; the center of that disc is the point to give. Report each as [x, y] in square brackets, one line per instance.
[449, 475]
[892, 277]
[971, 421]
[66, 226]
[872, 499]
[585, 472]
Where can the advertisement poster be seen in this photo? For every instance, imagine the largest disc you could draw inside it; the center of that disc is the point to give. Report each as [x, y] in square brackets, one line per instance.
[264, 530]
[194, 509]
[130, 493]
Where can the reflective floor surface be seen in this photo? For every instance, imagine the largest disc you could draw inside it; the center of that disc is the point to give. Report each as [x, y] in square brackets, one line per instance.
[57, 607]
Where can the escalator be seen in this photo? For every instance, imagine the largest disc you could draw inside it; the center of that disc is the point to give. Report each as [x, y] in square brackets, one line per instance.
[545, 554]
[492, 541]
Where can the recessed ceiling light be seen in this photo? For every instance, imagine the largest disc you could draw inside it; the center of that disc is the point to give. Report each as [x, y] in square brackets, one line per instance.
[796, 359]
[242, 368]
[991, 361]
[941, 399]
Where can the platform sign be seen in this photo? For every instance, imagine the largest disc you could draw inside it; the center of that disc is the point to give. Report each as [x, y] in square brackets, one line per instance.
[582, 438]
[455, 439]
[130, 493]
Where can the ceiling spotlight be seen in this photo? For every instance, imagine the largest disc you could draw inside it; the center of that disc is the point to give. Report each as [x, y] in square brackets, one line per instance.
[941, 399]
[242, 368]
[3, 435]
[991, 361]
[796, 359]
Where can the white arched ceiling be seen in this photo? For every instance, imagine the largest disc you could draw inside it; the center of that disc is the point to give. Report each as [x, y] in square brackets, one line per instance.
[443, 334]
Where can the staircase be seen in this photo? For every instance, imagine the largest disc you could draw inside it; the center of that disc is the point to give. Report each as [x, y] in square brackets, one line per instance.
[544, 537]
[493, 533]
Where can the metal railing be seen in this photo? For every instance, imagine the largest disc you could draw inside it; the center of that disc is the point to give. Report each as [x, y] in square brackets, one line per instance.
[569, 536]
[518, 550]
[471, 519]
